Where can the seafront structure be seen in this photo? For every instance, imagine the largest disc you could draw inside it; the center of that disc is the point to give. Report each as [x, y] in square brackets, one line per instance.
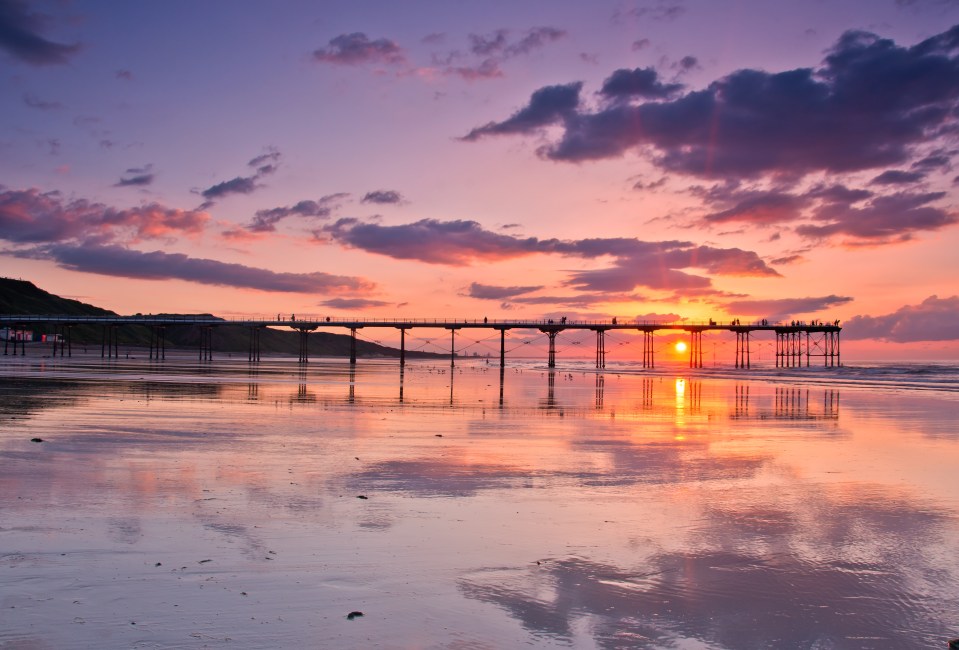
[796, 342]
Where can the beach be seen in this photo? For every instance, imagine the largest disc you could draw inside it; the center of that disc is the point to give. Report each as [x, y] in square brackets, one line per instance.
[180, 504]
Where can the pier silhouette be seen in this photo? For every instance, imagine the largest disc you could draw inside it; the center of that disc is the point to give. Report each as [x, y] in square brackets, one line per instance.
[797, 342]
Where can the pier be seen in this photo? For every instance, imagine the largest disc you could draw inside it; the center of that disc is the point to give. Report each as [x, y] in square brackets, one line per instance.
[798, 343]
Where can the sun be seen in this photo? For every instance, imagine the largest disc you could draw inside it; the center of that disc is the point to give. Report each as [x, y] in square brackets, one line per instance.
[680, 347]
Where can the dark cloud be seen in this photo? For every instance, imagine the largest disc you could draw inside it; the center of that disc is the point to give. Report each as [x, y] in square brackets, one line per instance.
[455, 243]
[139, 180]
[883, 219]
[486, 45]
[547, 106]
[382, 197]
[157, 265]
[357, 48]
[353, 303]
[658, 265]
[687, 63]
[266, 220]
[858, 216]
[933, 162]
[490, 292]
[762, 208]
[871, 104]
[787, 259]
[934, 319]
[660, 11]
[31, 216]
[651, 185]
[897, 177]
[238, 185]
[487, 52]
[499, 44]
[488, 69]
[20, 36]
[34, 102]
[125, 75]
[264, 164]
[639, 82]
[780, 309]
[578, 300]
[640, 44]
[533, 40]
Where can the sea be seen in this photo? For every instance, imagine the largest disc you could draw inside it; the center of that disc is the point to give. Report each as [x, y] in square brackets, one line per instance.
[195, 504]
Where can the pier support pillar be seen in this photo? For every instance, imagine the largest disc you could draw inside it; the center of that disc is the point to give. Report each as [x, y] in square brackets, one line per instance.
[304, 346]
[551, 359]
[600, 348]
[254, 353]
[695, 349]
[452, 347]
[502, 348]
[649, 359]
[402, 347]
[206, 343]
[352, 346]
[742, 349]
[157, 342]
[13, 330]
[109, 344]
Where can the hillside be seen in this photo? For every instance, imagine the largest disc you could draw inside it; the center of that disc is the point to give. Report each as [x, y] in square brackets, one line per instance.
[23, 297]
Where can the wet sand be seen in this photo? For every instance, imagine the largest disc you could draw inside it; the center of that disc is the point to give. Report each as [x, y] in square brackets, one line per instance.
[188, 506]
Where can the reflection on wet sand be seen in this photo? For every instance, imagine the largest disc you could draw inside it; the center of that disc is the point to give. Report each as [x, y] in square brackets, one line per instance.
[540, 508]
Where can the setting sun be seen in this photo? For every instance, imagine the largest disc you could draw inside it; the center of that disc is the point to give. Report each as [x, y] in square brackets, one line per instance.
[680, 346]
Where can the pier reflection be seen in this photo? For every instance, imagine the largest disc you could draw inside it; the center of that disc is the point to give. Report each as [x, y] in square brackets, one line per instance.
[788, 403]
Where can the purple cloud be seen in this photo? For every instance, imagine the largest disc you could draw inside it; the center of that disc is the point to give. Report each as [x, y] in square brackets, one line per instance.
[157, 265]
[859, 216]
[656, 265]
[639, 82]
[139, 180]
[34, 102]
[238, 185]
[382, 197]
[547, 106]
[455, 243]
[883, 219]
[934, 319]
[20, 36]
[871, 104]
[491, 50]
[780, 309]
[490, 292]
[577, 300]
[264, 164]
[357, 49]
[353, 303]
[897, 177]
[761, 207]
[31, 216]
[661, 11]
[266, 220]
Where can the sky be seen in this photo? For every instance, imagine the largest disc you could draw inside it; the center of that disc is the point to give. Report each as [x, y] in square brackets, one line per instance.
[656, 161]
